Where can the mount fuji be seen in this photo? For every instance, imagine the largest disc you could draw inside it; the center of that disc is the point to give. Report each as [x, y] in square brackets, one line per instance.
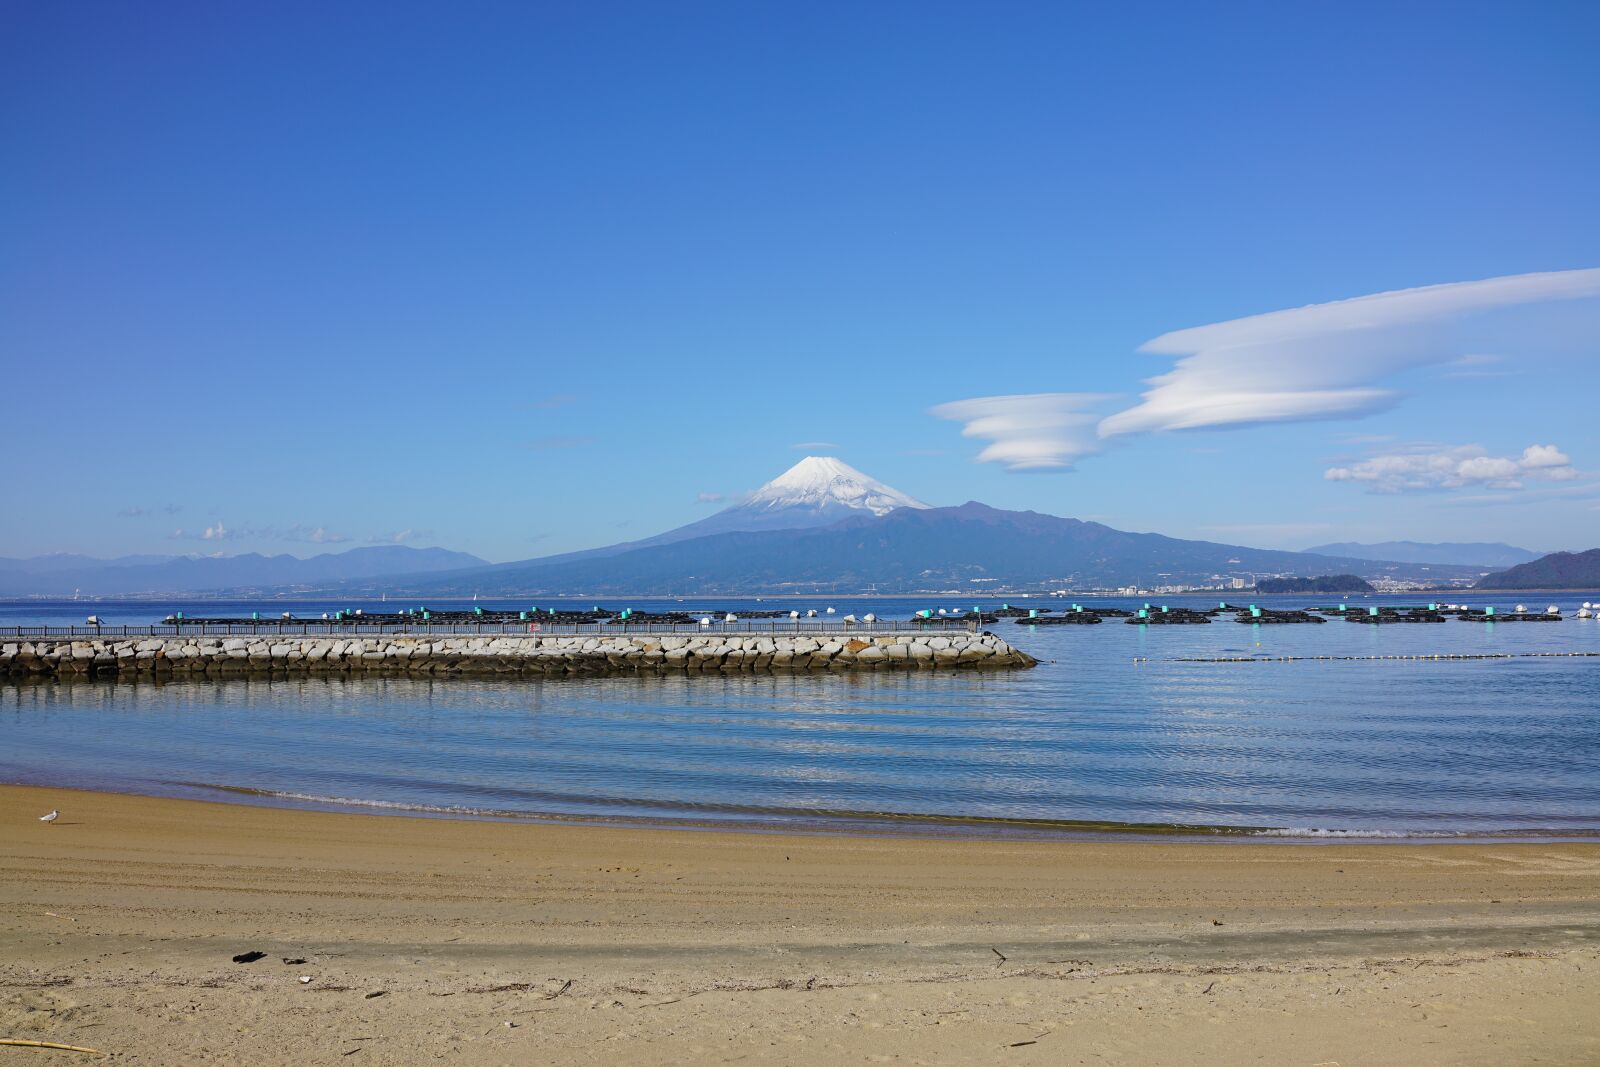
[817, 491]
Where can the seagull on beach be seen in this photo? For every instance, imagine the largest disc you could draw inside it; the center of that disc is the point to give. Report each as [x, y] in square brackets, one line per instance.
[52, 817]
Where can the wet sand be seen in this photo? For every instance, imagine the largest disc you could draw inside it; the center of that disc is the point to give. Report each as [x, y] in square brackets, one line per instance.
[425, 938]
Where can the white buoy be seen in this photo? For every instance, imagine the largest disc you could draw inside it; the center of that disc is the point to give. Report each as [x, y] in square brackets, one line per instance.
[730, 617]
[848, 618]
[1522, 609]
[1552, 610]
[830, 611]
[811, 614]
[93, 620]
[794, 614]
[706, 621]
[869, 618]
[286, 615]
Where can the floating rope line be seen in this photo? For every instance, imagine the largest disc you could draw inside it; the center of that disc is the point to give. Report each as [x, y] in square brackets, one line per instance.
[1350, 659]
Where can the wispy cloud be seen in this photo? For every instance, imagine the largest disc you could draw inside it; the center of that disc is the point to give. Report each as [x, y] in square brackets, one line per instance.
[398, 537]
[1032, 432]
[1478, 365]
[815, 446]
[1323, 361]
[1270, 532]
[548, 444]
[709, 498]
[132, 513]
[215, 532]
[1430, 468]
[220, 531]
[1577, 492]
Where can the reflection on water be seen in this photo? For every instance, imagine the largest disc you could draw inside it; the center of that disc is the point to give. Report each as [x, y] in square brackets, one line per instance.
[1092, 734]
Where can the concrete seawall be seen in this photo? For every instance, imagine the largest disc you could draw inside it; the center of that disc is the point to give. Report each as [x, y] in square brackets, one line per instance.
[584, 654]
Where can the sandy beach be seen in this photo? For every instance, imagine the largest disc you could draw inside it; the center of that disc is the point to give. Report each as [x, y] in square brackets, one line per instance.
[482, 943]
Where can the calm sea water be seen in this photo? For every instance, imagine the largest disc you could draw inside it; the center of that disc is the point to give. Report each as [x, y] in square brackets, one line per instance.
[1111, 727]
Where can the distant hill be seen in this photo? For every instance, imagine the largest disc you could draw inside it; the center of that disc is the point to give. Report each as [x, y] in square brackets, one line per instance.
[1558, 570]
[1328, 583]
[63, 575]
[1460, 553]
[971, 547]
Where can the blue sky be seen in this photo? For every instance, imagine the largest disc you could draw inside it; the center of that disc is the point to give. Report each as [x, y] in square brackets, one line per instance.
[523, 278]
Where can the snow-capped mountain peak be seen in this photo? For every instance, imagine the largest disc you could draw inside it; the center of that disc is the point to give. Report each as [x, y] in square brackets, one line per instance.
[828, 483]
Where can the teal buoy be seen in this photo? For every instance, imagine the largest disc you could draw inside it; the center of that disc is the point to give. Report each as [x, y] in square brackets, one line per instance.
[1255, 612]
[1489, 610]
[1372, 612]
[522, 616]
[1033, 613]
[1144, 613]
[425, 615]
[255, 615]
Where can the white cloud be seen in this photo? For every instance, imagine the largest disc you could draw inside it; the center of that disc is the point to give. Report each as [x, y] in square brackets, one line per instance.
[1432, 467]
[708, 498]
[399, 537]
[318, 535]
[1034, 432]
[815, 446]
[219, 532]
[1323, 361]
[132, 513]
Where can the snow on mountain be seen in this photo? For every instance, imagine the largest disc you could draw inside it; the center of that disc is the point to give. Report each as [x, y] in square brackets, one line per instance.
[824, 482]
[817, 491]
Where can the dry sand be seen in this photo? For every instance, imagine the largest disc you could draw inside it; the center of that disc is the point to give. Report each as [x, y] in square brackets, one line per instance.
[425, 938]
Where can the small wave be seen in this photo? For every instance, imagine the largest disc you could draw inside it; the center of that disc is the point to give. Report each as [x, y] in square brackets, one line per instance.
[356, 802]
[1318, 832]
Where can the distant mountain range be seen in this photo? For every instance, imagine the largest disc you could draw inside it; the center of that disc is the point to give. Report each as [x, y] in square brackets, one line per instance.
[821, 526]
[971, 547]
[1465, 554]
[1558, 570]
[63, 574]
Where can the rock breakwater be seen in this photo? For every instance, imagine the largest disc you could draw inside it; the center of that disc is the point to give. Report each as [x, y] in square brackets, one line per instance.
[583, 654]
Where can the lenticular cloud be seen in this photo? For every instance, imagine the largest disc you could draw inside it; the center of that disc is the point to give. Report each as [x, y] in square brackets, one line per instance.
[1034, 432]
[1321, 361]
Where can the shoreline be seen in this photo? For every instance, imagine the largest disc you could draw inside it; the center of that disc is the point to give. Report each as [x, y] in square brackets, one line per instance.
[425, 938]
[831, 823]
